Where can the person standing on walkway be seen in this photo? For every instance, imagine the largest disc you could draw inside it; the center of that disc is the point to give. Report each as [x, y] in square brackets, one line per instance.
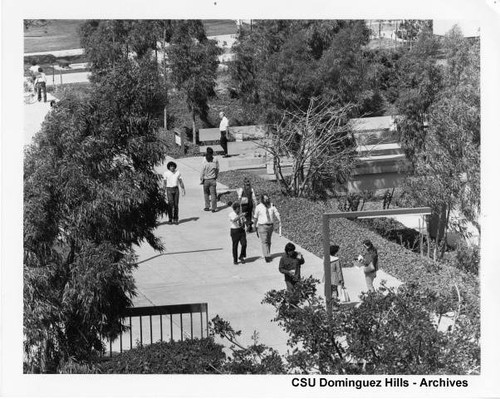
[289, 265]
[224, 123]
[172, 180]
[337, 277]
[208, 177]
[369, 262]
[265, 216]
[41, 85]
[247, 199]
[238, 235]
[34, 71]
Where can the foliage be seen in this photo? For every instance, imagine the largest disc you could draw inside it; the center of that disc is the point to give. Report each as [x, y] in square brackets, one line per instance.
[254, 359]
[90, 194]
[193, 63]
[468, 257]
[317, 144]
[446, 155]
[388, 333]
[281, 64]
[192, 356]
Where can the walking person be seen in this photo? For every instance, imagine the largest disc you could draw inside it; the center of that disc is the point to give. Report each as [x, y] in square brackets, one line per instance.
[224, 123]
[238, 235]
[264, 217]
[248, 200]
[337, 277]
[208, 178]
[290, 264]
[369, 261]
[34, 71]
[172, 180]
[41, 85]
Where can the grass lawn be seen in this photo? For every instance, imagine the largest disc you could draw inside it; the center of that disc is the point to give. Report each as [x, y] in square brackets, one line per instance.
[62, 34]
[57, 34]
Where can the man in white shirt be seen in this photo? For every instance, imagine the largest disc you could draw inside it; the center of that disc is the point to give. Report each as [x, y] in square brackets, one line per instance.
[41, 85]
[224, 123]
[264, 217]
[171, 181]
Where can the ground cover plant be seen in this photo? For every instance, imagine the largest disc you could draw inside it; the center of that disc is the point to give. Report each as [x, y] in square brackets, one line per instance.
[196, 356]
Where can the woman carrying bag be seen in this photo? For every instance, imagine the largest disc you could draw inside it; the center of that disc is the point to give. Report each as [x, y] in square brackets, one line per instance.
[369, 262]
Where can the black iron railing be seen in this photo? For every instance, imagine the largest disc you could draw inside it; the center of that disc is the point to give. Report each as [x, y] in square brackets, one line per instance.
[165, 323]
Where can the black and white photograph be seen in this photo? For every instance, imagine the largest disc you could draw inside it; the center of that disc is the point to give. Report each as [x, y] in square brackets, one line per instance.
[250, 199]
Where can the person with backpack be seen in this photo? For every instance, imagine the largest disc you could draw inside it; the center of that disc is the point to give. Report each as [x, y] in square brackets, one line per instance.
[369, 262]
[248, 200]
[337, 277]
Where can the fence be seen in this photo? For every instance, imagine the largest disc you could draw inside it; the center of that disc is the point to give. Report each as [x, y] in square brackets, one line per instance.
[171, 322]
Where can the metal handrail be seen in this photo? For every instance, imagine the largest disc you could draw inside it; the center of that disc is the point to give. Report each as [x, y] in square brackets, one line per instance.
[165, 310]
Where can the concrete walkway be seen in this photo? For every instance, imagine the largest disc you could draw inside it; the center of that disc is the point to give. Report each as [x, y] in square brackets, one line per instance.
[197, 266]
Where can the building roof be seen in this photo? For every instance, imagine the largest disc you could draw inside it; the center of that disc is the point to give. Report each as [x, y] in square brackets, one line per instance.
[372, 123]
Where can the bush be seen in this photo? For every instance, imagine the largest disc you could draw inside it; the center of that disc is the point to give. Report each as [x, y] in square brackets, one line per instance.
[194, 356]
[467, 257]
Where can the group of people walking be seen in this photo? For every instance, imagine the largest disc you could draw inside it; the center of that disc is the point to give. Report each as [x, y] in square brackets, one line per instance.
[248, 215]
[245, 214]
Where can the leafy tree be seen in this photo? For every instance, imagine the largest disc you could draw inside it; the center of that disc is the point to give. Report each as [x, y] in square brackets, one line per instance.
[389, 333]
[446, 155]
[90, 194]
[193, 62]
[281, 64]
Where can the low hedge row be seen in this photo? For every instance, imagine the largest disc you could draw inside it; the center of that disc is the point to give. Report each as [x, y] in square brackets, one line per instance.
[196, 356]
[302, 223]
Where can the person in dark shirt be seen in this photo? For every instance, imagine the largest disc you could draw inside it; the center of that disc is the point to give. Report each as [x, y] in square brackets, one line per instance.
[289, 265]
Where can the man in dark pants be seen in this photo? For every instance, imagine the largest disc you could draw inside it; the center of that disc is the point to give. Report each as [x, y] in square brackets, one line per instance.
[41, 85]
[172, 181]
[223, 132]
[238, 235]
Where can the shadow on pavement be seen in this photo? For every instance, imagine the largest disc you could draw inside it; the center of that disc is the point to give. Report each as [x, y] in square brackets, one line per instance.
[192, 219]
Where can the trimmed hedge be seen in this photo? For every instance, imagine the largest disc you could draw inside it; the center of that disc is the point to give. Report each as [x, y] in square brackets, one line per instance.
[302, 223]
[195, 356]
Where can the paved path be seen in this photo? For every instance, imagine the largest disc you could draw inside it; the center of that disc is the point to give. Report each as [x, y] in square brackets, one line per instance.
[197, 267]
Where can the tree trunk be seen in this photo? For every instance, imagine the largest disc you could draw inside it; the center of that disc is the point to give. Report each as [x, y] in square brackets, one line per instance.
[193, 116]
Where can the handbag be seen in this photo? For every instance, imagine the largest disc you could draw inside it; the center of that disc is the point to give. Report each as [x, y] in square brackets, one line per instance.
[369, 269]
[344, 295]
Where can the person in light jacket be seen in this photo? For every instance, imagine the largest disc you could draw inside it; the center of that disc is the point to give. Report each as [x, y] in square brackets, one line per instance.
[264, 217]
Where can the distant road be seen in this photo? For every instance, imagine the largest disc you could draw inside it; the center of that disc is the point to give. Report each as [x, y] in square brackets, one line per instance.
[58, 53]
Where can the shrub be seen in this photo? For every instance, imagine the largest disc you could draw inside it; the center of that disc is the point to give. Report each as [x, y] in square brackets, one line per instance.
[174, 150]
[467, 257]
[194, 356]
